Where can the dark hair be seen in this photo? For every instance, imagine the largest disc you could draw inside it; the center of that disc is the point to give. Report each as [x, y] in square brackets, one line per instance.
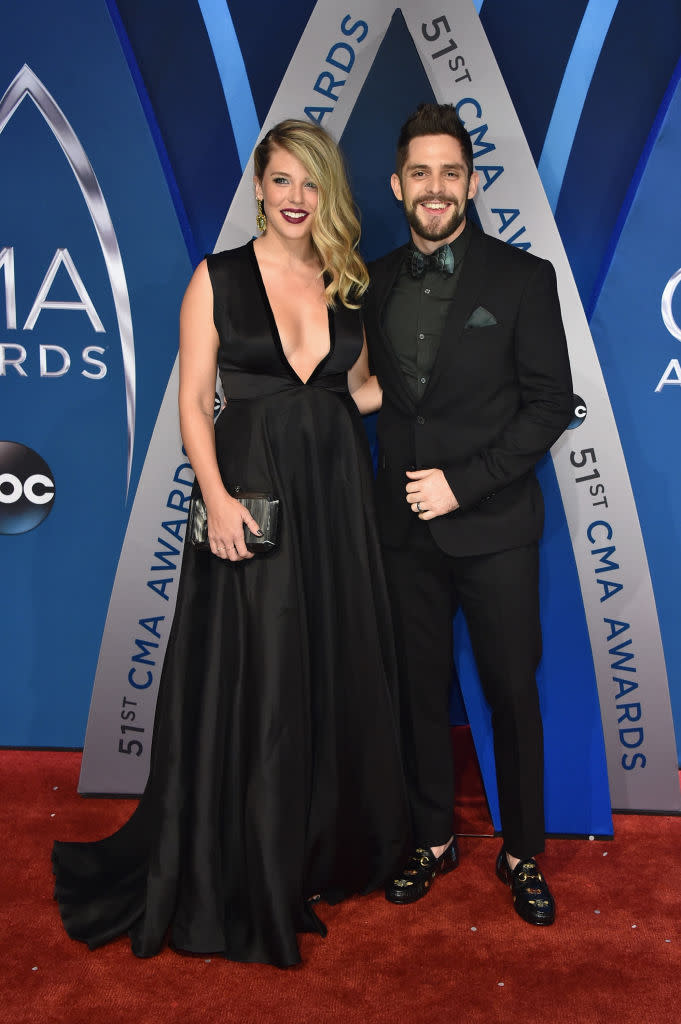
[434, 119]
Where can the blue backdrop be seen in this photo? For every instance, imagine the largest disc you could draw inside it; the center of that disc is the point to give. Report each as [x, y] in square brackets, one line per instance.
[167, 111]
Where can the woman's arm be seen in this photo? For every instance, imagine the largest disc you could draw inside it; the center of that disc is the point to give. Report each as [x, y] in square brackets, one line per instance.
[198, 367]
[363, 386]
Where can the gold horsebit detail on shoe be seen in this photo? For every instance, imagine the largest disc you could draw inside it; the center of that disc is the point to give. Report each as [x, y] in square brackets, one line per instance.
[523, 876]
[424, 861]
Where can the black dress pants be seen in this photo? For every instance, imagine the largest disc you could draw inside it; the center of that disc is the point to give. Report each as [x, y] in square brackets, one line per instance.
[499, 596]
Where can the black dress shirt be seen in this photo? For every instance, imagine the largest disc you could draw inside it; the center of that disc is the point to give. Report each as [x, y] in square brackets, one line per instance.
[416, 312]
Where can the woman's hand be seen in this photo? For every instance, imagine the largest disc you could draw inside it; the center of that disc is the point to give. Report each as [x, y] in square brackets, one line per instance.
[226, 518]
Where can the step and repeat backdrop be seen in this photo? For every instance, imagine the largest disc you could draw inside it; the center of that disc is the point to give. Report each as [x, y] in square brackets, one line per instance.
[126, 132]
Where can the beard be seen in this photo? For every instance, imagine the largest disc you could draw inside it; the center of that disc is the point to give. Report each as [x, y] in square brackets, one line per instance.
[434, 229]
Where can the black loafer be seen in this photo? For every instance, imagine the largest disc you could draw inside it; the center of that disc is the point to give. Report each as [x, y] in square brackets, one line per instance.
[419, 873]
[532, 897]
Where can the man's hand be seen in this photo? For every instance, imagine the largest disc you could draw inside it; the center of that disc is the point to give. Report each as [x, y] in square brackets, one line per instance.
[429, 494]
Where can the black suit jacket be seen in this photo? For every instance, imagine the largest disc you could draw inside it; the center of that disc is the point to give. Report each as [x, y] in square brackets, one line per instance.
[498, 397]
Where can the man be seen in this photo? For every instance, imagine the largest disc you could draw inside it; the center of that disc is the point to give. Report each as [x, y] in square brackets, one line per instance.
[466, 338]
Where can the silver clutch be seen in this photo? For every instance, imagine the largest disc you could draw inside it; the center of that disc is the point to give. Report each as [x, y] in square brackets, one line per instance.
[263, 507]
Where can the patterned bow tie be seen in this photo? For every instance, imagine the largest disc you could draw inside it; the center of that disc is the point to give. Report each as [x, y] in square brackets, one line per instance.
[442, 259]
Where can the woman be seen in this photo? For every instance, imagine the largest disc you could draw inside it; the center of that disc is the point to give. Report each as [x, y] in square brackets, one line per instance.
[275, 774]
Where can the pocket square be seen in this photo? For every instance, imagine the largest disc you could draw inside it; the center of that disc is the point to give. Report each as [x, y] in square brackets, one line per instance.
[480, 317]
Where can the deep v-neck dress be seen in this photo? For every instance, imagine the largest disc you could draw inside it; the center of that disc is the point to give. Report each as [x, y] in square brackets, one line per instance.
[275, 771]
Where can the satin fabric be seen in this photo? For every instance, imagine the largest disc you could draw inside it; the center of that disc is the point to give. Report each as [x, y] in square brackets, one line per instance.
[276, 771]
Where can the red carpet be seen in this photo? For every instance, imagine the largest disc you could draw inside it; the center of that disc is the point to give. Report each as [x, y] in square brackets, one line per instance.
[461, 955]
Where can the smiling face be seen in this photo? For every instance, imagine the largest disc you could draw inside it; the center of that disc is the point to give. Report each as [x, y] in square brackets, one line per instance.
[289, 195]
[435, 187]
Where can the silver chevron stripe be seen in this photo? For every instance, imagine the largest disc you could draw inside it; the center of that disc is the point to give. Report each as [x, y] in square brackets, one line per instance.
[483, 102]
[102, 768]
[26, 84]
[437, 29]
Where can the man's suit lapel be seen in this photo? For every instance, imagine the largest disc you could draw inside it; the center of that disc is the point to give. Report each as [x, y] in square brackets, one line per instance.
[465, 301]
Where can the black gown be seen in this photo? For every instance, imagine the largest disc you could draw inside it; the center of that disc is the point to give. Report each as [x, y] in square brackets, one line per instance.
[275, 770]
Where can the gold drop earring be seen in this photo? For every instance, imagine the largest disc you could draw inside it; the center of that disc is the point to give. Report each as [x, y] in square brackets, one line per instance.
[261, 219]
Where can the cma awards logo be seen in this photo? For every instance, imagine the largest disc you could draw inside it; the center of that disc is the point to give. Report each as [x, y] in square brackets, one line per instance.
[55, 360]
[672, 374]
[26, 488]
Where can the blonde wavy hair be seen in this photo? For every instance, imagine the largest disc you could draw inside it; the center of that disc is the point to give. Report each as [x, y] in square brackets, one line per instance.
[336, 229]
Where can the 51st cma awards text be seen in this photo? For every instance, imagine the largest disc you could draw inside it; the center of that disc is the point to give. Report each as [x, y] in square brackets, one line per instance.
[599, 533]
[52, 360]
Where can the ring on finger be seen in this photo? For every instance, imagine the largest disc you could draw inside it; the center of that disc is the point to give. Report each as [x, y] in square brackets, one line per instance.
[418, 507]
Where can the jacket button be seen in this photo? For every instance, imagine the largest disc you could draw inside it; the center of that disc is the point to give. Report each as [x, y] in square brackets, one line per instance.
[420, 419]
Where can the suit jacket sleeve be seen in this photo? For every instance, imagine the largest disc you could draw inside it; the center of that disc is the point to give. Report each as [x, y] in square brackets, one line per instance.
[544, 388]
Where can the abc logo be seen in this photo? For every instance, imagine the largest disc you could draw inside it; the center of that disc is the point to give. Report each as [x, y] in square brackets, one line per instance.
[26, 488]
[579, 414]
